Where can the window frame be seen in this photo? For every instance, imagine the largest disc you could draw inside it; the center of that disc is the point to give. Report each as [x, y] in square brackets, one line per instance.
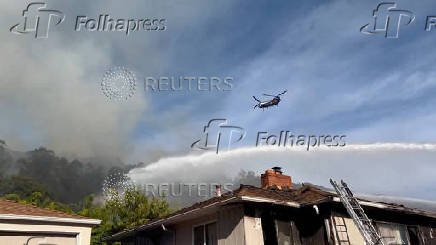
[204, 230]
[393, 223]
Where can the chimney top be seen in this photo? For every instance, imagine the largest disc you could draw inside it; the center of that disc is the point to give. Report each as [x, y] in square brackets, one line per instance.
[277, 169]
[275, 177]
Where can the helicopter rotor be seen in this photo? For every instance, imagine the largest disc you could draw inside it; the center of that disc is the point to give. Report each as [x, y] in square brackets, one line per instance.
[284, 92]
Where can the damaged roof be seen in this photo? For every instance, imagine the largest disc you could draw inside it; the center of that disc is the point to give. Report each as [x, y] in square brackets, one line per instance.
[305, 195]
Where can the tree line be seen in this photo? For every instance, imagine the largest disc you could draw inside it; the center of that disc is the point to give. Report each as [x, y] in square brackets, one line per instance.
[45, 180]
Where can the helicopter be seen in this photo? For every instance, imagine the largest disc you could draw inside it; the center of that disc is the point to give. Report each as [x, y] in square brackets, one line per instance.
[268, 103]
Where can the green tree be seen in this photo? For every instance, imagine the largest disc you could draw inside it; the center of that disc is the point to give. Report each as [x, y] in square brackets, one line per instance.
[24, 187]
[122, 211]
[40, 200]
[67, 181]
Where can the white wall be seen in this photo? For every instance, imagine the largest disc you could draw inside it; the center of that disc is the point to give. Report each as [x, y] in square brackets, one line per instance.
[253, 230]
[352, 230]
[20, 240]
[82, 235]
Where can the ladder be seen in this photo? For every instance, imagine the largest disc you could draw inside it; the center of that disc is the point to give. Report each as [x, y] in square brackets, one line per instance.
[341, 230]
[356, 212]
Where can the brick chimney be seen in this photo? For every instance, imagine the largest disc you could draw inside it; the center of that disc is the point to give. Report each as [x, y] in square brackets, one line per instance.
[275, 177]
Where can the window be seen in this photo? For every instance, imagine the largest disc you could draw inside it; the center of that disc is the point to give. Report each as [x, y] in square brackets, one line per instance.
[205, 234]
[283, 230]
[393, 234]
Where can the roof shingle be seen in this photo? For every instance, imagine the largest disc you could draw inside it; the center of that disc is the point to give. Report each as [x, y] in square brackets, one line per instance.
[15, 208]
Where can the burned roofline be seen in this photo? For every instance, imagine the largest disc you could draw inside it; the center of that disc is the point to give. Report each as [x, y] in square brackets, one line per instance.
[235, 196]
[156, 223]
[378, 205]
[394, 208]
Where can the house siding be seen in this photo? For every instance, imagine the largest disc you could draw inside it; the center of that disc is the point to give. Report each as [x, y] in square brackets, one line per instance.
[253, 230]
[230, 227]
[230, 223]
[260, 223]
[183, 230]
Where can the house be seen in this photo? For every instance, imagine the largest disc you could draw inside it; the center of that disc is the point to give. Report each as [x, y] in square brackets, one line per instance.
[278, 214]
[24, 224]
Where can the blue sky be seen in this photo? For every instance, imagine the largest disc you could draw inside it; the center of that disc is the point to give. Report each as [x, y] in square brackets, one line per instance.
[339, 81]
